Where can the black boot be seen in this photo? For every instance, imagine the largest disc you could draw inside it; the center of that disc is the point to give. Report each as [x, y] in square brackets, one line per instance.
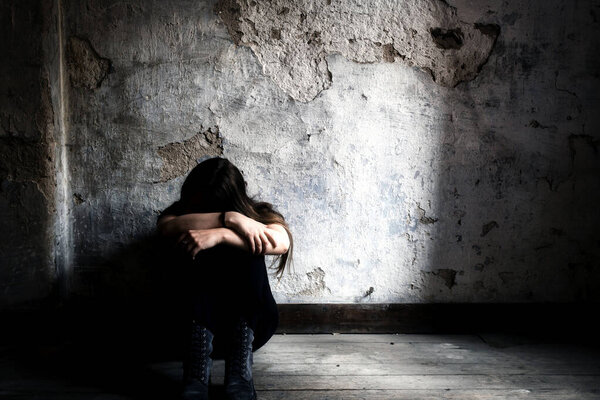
[198, 364]
[239, 384]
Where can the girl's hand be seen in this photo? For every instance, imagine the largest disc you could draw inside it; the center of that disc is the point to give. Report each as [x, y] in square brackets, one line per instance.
[194, 241]
[254, 232]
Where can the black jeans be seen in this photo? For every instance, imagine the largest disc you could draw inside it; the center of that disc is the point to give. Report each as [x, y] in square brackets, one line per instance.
[224, 284]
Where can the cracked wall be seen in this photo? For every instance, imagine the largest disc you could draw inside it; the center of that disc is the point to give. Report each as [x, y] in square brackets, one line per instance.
[404, 176]
[291, 40]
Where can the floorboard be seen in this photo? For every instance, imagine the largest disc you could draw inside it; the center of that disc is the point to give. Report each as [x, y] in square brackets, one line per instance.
[328, 366]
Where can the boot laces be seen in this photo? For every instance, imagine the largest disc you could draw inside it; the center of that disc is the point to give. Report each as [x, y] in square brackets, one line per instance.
[242, 351]
[199, 353]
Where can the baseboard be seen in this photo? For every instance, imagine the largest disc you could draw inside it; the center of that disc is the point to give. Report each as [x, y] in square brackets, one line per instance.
[560, 318]
[119, 321]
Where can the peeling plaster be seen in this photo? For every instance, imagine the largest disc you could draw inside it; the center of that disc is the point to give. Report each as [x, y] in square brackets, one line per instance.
[316, 282]
[78, 199]
[447, 275]
[423, 218]
[311, 283]
[179, 158]
[486, 228]
[292, 39]
[86, 68]
[507, 277]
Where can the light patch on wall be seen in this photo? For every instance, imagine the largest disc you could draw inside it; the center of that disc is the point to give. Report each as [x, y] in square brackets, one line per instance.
[292, 39]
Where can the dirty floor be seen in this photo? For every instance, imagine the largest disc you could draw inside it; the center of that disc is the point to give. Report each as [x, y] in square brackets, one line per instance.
[324, 366]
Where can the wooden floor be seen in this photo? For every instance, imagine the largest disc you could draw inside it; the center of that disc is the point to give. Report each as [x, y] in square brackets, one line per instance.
[330, 366]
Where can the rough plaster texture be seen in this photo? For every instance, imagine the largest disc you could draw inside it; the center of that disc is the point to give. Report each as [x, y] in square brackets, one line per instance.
[27, 154]
[397, 188]
[291, 39]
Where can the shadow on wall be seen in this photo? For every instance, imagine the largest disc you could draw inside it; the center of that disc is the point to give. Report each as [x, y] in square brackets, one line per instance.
[515, 218]
[132, 298]
[126, 316]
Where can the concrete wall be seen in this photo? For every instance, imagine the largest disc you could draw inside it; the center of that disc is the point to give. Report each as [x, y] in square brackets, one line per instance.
[422, 151]
[29, 132]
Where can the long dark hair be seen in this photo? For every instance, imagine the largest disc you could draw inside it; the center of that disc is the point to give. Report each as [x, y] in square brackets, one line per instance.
[216, 185]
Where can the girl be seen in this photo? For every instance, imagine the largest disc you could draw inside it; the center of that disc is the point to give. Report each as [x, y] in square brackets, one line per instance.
[222, 236]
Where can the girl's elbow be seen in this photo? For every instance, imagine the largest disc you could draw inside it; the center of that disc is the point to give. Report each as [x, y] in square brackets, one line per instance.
[283, 247]
[279, 240]
[279, 249]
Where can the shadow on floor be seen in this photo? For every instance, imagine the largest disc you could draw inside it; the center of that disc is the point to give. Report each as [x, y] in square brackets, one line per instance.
[91, 368]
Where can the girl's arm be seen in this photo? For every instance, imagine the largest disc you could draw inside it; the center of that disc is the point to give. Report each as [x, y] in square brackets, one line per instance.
[258, 236]
[196, 240]
[277, 240]
[171, 225]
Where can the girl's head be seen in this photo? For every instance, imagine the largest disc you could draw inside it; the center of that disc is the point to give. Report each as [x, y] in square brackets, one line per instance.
[216, 185]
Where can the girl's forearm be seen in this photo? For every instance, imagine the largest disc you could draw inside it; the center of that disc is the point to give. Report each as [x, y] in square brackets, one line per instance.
[232, 238]
[173, 225]
[275, 245]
